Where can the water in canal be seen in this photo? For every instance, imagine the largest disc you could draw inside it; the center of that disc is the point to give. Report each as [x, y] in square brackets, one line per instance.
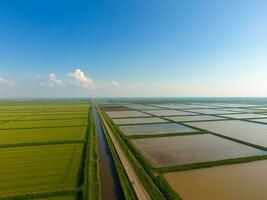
[110, 186]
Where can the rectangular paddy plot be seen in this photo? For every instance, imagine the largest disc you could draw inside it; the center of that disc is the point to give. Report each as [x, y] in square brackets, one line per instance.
[141, 107]
[238, 110]
[181, 150]
[244, 116]
[20, 136]
[42, 123]
[245, 181]
[250, 132]
[114, 108]
[211, 111]
[52, 117]
[233, 105]
[194, 118]
[124, 114]
[259, 120]
[139, 120]
[8, 118]
[60, 113]
[39, 168]
[154, 129]
[168, 112]
[173, 106]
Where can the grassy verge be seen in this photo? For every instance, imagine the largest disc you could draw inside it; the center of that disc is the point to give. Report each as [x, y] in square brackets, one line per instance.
[59, 193]
[42, 143]
[154, 183]
[93, 191]
[212, 164]
[165, 135]
[89, 173]
[124, 181]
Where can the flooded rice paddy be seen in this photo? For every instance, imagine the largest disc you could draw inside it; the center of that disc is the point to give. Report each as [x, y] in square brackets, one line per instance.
[246, 122]
[180, 150]
[245, 181]
[122, 114]
[153, 129]
[194, 118]
[141, 107]
[211, 111]
[244, 116]
[250, 132]
[259, 120]
[138, 120]
[173, 106]
[168, 112]
[109, 108]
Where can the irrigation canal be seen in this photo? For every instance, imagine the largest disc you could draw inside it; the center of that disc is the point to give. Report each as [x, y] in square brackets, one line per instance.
[110, 185]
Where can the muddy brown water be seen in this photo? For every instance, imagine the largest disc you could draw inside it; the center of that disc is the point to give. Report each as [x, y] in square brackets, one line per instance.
[110, 184]
[180, 150]
[245, 181]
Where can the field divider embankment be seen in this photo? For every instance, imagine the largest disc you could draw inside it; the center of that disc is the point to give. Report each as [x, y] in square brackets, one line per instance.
[41, 143]
[215, 163]
[166, 135]
[46, 194]
[43, 127]
[137, 185]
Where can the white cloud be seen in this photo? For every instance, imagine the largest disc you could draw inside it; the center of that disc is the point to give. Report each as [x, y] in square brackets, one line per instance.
[52, 81]
[80, 79]
[115, 83]
[6, 83]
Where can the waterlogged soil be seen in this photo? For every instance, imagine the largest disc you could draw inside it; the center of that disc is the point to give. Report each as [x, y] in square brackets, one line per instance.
[139, 120]
[245, 181]
[154, 129]
[250, 132]
[180, 150]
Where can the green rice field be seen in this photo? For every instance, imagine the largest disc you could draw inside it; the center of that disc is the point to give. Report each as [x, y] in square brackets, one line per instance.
[42, 149]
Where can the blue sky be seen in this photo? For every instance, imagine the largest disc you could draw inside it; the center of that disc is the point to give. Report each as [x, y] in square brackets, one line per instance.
[133, 48]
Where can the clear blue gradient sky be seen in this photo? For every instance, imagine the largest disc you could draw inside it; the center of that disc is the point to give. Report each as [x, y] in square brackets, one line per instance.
[61, 48]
